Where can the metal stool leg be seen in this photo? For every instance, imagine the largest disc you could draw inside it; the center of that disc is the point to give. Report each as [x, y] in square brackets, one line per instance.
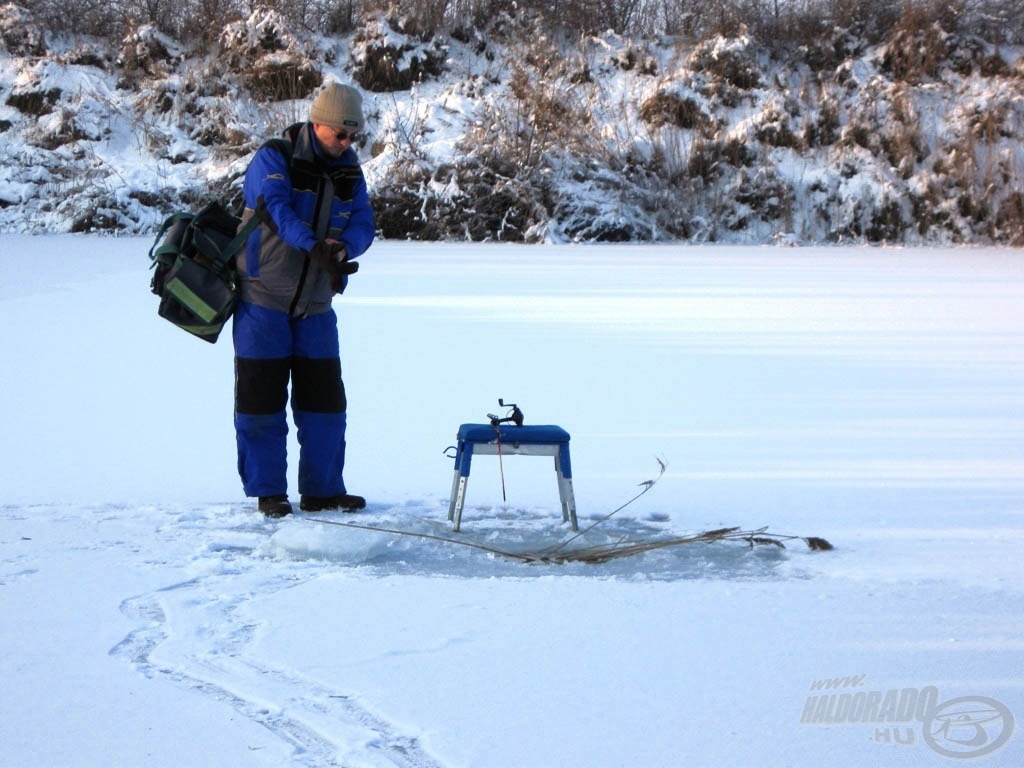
[451, 499]
[561, 489]
[563, 466]
[568, 501]
[463, 461]
[458, 499]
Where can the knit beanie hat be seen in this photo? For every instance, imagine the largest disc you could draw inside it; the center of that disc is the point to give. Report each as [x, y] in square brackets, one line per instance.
[339, 106]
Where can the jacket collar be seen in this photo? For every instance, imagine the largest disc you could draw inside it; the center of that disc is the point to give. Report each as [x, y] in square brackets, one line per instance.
[306, 147]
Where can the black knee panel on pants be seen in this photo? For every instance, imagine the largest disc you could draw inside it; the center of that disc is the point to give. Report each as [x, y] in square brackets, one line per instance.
[317, 386]
[261, 386]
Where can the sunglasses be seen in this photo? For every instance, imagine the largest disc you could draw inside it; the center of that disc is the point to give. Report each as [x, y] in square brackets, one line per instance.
[352, 136]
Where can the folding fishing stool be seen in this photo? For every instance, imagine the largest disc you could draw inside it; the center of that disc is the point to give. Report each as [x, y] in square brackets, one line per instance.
[502, 439]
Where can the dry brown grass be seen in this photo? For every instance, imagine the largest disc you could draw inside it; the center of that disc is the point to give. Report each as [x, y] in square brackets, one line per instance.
[568, 552]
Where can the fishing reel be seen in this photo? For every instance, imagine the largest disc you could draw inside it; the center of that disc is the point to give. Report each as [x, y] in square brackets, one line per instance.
[514, 415]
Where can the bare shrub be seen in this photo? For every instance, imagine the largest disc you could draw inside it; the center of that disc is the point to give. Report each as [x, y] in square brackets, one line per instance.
[204, 20]
[103, 215]
[729, 60]
[900, 138]
[1010, 219]
[670, 154]
[885, 224]
[465, 201]
[62, 130]
[284, 79]
[270, 61]
[635, 58]
[19, 32]
[31, 101]
[380, 64]
[424, 20]
[766, 194]
[870, 20]
[612, 206]
[920, 41]
[147, 52]
[858, 134]
[827, 50]
[669, 108]
[705, 162]
[930, 210]
[98, 18]
[988, 124]
[545, 111]
[773, 128]
[823, 129]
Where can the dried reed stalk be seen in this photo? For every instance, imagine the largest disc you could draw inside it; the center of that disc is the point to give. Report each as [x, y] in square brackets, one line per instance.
[601, 553]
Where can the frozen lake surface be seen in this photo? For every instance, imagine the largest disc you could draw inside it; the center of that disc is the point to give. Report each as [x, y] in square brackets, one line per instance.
[871, 396]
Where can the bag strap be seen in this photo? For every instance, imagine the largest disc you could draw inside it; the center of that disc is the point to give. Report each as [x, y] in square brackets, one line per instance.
[159, 248]
[238, 241]
[286, 147]
[258, 217]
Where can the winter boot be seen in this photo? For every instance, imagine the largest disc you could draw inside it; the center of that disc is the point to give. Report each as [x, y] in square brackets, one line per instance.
[345, 501]
[275, 506]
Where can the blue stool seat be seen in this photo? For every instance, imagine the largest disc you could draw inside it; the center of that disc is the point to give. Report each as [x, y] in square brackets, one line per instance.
[534, 440]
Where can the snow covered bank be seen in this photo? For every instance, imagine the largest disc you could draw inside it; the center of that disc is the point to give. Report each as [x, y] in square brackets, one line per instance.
[514, 132]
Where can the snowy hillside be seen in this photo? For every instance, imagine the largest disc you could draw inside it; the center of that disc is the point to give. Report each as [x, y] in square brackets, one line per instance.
[515, 133]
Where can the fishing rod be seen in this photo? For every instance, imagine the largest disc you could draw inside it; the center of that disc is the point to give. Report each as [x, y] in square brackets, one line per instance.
[513, 416]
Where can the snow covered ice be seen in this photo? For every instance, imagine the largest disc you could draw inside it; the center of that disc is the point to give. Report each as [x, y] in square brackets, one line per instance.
[874, 397]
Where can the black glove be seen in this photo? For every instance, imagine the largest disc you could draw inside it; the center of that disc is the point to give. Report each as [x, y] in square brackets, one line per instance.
[339, 281]
[325, 254]
[334, 261]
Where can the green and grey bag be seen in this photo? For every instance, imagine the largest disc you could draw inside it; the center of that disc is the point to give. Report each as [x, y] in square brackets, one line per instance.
[194, 273]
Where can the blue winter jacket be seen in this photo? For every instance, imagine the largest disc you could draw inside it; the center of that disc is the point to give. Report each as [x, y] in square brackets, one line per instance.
[308, 198]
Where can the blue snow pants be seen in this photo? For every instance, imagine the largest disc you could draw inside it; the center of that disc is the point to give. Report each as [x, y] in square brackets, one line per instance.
[270, 348]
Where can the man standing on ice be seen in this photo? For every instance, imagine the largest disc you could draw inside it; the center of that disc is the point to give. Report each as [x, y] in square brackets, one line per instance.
[310, 191]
